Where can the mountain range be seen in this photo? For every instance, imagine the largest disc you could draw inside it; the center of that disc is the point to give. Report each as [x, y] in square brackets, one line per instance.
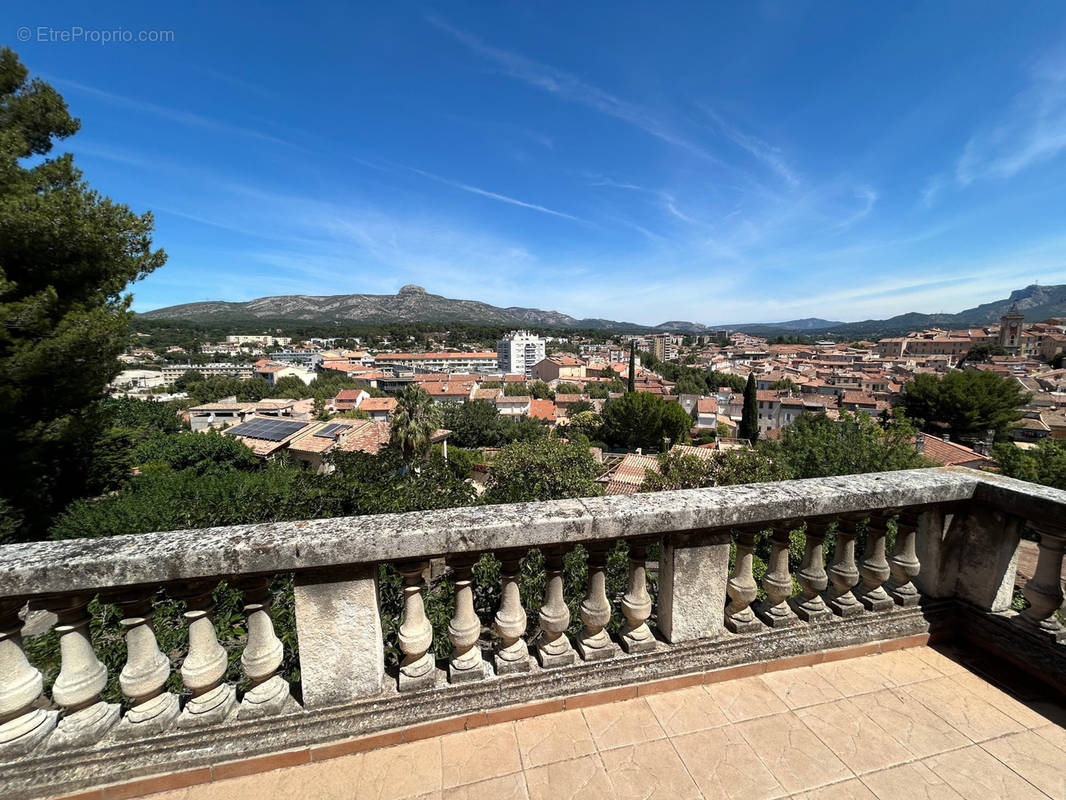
[415, 304]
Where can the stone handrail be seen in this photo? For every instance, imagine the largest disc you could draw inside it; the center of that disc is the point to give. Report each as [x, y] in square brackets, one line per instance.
[41, 568]
[951, 565]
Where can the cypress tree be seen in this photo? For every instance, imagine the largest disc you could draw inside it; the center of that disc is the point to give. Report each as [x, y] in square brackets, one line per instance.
[632, 368]
[749, 420]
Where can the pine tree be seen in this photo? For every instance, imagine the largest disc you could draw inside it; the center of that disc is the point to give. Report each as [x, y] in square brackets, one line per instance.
[749, 420]
[67, 256]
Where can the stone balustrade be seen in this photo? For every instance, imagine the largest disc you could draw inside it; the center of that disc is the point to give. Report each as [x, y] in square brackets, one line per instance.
[936, 553]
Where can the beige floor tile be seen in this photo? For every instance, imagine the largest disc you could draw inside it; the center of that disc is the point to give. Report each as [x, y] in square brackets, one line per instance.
[479, 754]
[1055, 734]
[793, 754]
[913, 781]
[962, 709]
[404, 771]
[746, 698]
[857, 740]
[1012, 707]
[938, 661]
[854, 676]
[578, 779]
[621, 724]
[686, 711]
[649, 771]
[553, 737]
[853, 789]
[977, 775]
[724, 765]
[910, 722]
[902, 667]
[506, 787]
[802, 687]
[1034, 758]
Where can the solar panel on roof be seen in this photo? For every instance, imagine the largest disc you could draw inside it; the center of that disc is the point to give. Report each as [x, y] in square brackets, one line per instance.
[332, 430]
[272, 430]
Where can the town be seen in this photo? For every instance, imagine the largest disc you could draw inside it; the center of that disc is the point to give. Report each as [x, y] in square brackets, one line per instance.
[555, 379]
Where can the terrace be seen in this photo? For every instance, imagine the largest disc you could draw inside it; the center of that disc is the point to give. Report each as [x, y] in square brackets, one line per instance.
[704, 690]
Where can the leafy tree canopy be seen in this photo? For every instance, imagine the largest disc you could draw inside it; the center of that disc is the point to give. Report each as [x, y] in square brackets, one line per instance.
[816, 446]
[965, 402]
[641, 419]
[545, 469]
[1045, 464]
[67, 255]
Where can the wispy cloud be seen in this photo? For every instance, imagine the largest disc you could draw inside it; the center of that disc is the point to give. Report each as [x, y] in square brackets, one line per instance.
[173, 114]
[768, 154]
[573, 89]
[1032, 132]
[496, 196]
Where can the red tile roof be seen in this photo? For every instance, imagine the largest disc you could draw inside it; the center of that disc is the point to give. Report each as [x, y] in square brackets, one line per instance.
[379, 404]
[542, 409]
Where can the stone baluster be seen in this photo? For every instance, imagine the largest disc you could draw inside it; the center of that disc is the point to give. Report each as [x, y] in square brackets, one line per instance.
[742, 589]
[1044, 589]
[594, 643]
[777, 582]
[418, 668]
[874, 569]
[465, 662]
[152, 710]
[23, 725]
[213, 700]
[904, 562]
[270, 694]
[843, 573]
[86, 718]
[510, 620]
[812, 577]
[553, 648]
[636, 636]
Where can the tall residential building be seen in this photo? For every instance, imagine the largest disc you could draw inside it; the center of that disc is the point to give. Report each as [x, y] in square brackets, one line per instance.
[662, 346]
[517, 352]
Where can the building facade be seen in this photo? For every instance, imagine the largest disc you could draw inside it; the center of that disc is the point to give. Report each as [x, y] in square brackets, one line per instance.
[518, 352]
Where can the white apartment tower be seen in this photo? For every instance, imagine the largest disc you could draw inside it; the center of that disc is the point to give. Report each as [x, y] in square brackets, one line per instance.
[517, 352]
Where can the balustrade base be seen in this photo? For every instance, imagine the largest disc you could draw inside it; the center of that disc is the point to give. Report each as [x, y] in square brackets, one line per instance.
[149, 718]
[905, 599]
[780, 616]
[420, 674]
[217, 705]
[815, 614]
[22, 734]
[877, 603]
[85, 727]
[563, 658]
[596, 651]
[270, 698]
[644, 643]
[846, 609]
[478, 672]
[507, 666]
[744, 624]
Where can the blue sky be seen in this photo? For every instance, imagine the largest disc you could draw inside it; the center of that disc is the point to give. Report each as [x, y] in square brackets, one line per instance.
[718, 163]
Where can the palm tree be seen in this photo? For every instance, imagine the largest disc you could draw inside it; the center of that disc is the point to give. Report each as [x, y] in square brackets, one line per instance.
[414, 422]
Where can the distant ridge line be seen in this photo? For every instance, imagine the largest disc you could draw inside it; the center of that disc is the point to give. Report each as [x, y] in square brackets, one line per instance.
[414, 304]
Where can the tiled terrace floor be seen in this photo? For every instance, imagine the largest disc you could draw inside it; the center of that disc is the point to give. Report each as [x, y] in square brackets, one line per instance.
[916, 723]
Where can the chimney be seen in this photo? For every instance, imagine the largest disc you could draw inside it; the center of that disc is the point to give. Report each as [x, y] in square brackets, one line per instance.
[947, 437]
[919, 442]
